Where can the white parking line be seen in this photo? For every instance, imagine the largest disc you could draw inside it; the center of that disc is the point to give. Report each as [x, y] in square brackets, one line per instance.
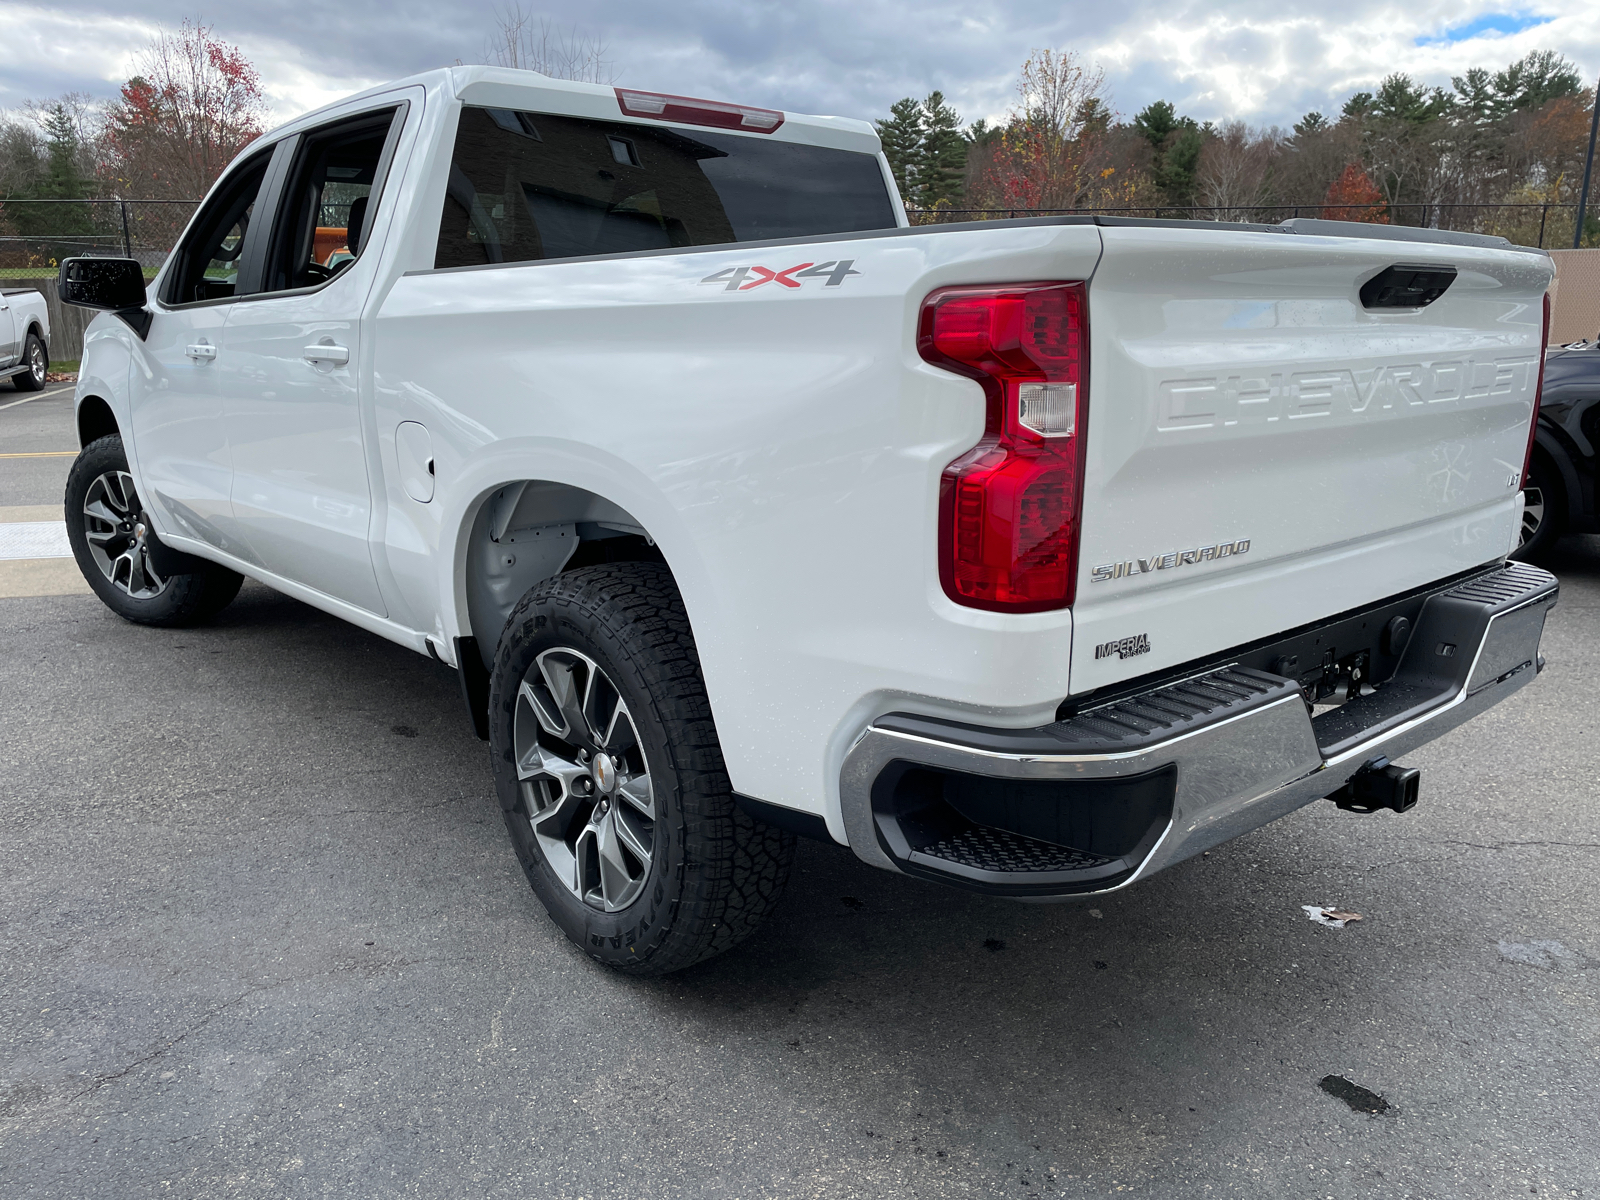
[61, 389]
[34, 539]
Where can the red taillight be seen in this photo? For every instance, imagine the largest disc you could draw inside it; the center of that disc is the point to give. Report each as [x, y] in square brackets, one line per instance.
[683, 110]
[1009, 508]
[1538, 393]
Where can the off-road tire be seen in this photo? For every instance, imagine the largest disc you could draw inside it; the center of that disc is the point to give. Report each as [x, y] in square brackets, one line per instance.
[715, 873]
[195, 591]
[36, 357]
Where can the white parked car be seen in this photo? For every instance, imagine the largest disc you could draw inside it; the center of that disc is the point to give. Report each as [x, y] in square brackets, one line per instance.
[24, 338]
[1029, 556]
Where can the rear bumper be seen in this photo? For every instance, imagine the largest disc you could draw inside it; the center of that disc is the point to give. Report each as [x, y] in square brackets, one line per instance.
[1097, 802]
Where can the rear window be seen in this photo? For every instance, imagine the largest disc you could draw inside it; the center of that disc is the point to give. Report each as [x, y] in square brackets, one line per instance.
[526, 186]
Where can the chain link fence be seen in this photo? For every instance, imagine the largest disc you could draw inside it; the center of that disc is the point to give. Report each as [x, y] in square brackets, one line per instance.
[1543, 225]
[35, 235]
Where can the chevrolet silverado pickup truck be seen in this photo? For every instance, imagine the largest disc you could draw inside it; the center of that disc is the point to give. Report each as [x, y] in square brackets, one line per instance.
[1027, 556]
[24, 338]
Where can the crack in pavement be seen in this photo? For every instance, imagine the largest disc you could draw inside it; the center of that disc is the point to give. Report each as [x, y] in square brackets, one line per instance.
[101, 1081]
[1517, 845]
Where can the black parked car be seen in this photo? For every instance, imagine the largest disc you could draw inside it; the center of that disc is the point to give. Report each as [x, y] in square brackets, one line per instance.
[1560, 495]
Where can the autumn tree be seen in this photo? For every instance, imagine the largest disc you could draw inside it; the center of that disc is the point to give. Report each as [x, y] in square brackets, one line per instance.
[1050, 154]
[1351, 197]
[193, 103]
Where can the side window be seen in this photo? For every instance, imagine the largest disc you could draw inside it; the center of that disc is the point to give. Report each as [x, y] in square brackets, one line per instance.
[326, 208]
[208, 260]
[527, 186]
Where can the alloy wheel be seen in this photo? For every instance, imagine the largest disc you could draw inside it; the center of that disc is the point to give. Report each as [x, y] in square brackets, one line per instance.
[1533, 504]
[118, 534]
[584, 782]
[36, 364]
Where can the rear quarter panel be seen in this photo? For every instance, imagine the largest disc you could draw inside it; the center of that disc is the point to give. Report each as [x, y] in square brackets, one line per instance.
[782, 445]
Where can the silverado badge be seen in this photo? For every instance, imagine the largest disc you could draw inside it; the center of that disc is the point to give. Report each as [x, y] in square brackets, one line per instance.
[1164, 562]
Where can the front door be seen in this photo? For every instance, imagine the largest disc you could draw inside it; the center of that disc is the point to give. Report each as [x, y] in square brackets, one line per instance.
[179, 443]
[301, 495]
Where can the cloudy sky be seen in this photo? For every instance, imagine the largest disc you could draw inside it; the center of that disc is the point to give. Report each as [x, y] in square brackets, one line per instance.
[1265, 61]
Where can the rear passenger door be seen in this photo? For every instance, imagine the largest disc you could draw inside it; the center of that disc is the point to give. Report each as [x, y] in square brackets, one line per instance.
[292, 385]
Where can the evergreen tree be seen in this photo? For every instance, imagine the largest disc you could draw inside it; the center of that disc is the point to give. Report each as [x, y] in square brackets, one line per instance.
[901, 136]
[64, 178]
[981, 133]
[1357, 107]
[942, 158]
[58, 174]
[1175, 144]
[1537, 79]
[1400, 98]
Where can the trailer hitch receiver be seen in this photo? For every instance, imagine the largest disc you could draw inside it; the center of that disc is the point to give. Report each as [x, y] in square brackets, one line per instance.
[1379, 784]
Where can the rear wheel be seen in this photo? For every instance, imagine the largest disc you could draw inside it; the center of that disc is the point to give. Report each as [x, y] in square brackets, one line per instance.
[37, 361]
[1544, 503]
[611, 778]
[120, 555]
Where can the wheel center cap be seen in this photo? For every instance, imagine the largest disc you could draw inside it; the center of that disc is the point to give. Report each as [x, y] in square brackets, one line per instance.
[605, 772]
[138, 531]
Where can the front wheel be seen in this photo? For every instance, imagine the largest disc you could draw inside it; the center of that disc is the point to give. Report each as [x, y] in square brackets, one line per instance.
[36, 360]
[611, 779]
[120, 555]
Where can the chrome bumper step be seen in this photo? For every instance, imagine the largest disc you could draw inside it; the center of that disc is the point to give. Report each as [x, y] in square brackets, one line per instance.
[1108, 796]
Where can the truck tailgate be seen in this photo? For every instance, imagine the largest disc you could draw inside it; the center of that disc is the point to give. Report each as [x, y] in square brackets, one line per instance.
[1264, 451]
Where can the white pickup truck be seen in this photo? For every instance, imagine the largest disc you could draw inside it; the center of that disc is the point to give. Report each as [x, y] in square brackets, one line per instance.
[24, 338]
[1029, 556]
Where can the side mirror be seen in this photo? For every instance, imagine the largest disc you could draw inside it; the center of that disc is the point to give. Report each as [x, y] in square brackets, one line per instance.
[113, 284]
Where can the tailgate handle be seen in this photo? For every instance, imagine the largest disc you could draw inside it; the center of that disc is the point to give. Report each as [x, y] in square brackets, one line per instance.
[1407, 285]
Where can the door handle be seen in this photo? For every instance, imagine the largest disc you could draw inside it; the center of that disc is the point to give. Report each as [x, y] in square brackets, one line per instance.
[337, 356]
[201, 350]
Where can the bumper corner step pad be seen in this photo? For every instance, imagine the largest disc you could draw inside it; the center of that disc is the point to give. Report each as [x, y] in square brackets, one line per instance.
[998, 860]
[1126, 725]
[1442, 651]
[983, 848]
[1500, 590]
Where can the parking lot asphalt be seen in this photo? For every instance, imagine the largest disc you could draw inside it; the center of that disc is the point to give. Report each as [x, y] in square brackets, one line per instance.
[264, 935]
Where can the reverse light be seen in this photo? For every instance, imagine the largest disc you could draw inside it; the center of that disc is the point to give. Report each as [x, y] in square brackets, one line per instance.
[1010, 508]
[1538, 395]
[685, 110]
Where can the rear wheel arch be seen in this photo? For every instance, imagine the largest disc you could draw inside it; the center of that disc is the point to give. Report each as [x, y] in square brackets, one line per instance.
[525, 531]
[95, 420]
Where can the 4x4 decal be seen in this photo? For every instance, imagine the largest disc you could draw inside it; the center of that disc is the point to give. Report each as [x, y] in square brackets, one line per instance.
[744, 279]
